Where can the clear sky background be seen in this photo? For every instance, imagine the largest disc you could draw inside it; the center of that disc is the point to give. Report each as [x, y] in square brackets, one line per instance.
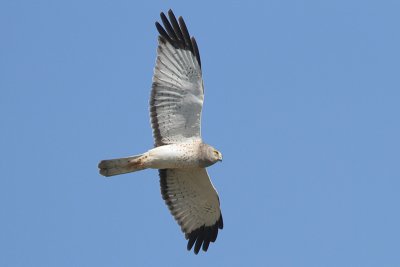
[302, 98]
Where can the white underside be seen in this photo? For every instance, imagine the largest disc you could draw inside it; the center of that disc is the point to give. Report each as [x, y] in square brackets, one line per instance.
[173, 156]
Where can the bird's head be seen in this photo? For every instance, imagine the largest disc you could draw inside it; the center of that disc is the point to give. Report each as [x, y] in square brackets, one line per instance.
[217, 155]
[209, 155]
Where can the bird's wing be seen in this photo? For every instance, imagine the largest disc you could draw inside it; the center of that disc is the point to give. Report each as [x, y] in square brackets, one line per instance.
[194, 203]
[177, 91]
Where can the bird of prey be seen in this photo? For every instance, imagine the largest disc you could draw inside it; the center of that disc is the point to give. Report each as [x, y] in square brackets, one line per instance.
[179, 153]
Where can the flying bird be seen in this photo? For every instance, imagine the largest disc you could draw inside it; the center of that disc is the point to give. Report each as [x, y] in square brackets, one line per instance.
[179, 153]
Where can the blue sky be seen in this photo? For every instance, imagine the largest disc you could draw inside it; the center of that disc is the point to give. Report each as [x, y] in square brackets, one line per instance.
[302, 98]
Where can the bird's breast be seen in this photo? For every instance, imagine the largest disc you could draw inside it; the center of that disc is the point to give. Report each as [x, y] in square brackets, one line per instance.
[174, 156]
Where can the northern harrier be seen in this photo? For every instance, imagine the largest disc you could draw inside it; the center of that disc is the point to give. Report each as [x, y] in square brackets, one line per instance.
[176, 102]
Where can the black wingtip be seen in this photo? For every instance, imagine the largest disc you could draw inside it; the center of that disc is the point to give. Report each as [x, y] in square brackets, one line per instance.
[221, 223]
[207, 240]
[200, 240]
[186, 34]
[163, 34]
[192, 238]
[203, 236]
[176, 33]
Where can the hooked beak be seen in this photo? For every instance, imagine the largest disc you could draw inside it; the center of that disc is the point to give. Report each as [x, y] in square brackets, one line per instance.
[220, 158]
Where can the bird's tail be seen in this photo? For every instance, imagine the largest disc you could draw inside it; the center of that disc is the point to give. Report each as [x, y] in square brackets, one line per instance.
[112, 167]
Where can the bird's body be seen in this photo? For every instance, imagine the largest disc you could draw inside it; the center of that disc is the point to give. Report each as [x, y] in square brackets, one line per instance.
[176, 102]
[191, 154]
[181, 156]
